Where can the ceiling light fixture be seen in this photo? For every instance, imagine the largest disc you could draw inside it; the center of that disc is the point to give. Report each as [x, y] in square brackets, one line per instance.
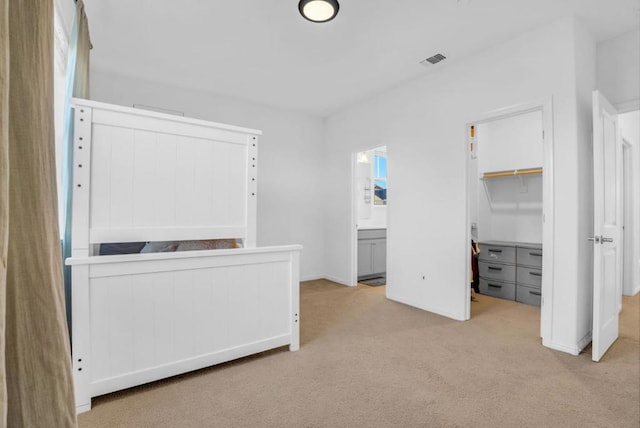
[318, 10]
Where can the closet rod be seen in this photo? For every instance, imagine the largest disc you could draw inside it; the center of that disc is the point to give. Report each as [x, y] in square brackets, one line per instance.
[513, 172]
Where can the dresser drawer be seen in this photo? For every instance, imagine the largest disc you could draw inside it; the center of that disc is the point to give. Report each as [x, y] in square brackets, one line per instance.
[497, 271]
[528, 295]
[529, 276]
[497, 253]
[504, 290]
[529, 257]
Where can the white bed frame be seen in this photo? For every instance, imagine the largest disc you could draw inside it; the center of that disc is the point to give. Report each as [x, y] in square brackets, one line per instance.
[147, 176]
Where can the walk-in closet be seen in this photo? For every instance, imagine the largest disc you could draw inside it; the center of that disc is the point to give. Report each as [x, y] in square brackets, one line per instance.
[506, 207]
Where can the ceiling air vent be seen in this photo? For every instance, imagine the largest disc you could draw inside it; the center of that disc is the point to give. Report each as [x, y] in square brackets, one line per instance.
[433, 59]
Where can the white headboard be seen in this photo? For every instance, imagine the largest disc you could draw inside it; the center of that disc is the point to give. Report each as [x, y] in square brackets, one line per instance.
[146, 176]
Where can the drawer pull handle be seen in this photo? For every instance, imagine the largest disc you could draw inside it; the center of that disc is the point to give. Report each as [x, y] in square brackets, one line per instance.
[536, 254]
[535, 293]
[494, 251]
[494, 286]
[535, 273]
[493, 268]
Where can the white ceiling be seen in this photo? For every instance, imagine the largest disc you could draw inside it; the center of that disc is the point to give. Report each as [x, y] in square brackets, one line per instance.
[265, 52]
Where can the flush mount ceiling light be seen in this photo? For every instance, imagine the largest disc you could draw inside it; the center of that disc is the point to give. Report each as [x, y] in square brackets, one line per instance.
[318, 10]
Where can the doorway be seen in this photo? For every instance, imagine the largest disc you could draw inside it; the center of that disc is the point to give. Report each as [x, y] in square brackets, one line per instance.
[509, 192]
[627, 223]
[369, 205]
[629, 124]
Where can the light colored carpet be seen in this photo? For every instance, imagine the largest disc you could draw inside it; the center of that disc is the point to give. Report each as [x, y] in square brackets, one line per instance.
[374, 282]
[366, 361]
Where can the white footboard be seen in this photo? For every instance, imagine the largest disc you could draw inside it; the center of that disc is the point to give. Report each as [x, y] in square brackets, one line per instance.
[139, 318]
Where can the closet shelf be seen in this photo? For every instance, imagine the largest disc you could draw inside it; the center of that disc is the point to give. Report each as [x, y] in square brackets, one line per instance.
[511, 173]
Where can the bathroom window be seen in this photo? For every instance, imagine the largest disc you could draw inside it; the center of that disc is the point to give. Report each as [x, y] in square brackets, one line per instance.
[380, 179]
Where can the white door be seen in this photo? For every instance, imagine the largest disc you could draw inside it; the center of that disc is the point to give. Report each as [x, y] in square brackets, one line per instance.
[607, 224]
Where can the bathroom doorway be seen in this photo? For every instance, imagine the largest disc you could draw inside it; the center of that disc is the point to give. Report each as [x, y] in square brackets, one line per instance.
[370, 183]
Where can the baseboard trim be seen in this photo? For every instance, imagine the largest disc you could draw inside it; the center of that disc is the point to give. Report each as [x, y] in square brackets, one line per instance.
[425, 307]
[582, 343]
[339, 281]
[328, 278]
[573, 350]
[633, 293]
[83, 408]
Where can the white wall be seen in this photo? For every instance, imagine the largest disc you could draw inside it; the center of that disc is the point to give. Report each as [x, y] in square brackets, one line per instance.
[585, 75]
[475, 187]
[514, 212]
[290, 172]
[510, 143]
[630, 131]
[510, 208]
[364, 191]
[618, 69]
[423, 125]
[66, 9]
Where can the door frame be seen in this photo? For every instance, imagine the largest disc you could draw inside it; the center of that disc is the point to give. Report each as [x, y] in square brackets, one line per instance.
[353, 270]
[632, 150]
[548, 213]
[631, 245]
[627, 215]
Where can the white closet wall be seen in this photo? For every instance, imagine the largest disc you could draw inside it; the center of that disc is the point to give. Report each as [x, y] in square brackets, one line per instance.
[509, 208]
[474, 197]
[511, 143]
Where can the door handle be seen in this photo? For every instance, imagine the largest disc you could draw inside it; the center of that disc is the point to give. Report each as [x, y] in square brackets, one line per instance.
[603, 240]
[595, 239]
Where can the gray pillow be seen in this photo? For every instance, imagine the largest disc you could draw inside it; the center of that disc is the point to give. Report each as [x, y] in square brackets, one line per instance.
[113, 248]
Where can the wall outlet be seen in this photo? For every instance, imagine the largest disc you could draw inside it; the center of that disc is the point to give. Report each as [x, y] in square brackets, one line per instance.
[423, 276]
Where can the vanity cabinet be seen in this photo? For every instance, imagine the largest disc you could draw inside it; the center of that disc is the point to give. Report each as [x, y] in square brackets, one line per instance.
[511, 270]
[372, 253]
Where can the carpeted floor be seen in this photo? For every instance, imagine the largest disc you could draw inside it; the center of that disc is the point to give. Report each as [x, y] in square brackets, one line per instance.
[374, 282]
[366, 361]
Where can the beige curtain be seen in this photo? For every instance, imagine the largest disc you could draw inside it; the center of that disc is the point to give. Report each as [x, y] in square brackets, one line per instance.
[4, 194]
[36, 382]
[81, 74]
